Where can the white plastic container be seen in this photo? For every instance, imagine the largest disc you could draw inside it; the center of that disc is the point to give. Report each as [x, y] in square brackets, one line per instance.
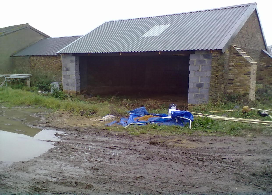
[172, 108]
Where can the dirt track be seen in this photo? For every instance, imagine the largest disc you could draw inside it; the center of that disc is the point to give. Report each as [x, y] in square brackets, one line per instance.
[102, 162]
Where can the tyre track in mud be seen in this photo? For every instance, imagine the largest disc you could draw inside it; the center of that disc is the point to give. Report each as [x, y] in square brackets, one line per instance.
[98, 162]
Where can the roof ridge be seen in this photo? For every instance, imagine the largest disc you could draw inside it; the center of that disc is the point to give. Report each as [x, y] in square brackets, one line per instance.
[64, 37]
[47, 46]
[15, 25]
[238, 25]
[11, 29]
[205, 10]
[20, 27]
[199, 30]
[38, 31]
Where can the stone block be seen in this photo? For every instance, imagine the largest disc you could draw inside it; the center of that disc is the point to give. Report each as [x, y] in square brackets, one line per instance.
[198, 96]
[193, 90]
[73, 77]
[192, 61]
[206, 68]
[190, 96]
[191, 85]
[192, 101]
[200, 62]
[202, 74]
[205, 79]
[72, 67]
[65, 85]
[193, 79]
[207, 56]
[204, 91]
[65, 68]
[191, 74]
[71, 72]
[194, 68]
[66, 77]
[194, 56]
[199, 85]
[64, 72]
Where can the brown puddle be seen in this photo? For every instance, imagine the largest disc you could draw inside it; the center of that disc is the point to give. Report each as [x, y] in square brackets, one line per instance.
[18, 140]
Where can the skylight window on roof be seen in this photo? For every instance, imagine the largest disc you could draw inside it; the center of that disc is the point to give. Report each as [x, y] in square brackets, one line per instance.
[156, 30]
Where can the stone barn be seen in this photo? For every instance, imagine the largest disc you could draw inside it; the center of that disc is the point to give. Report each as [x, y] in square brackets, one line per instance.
[196, 56]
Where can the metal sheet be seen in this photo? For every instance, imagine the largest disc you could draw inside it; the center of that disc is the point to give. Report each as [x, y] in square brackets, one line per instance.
[200, 30]
[46, 47]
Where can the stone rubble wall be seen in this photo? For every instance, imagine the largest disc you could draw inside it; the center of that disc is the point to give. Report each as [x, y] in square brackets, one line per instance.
[39, 66]
[250, 37]
[241, 76]
[218, 75]
[231, 74]
[264, 70]
[49, 65]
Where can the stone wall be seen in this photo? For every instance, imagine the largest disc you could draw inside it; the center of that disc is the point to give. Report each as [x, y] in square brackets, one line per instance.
[13, 43]
[70, 74]
[264, 73]
[241, 77]
[250, 37]
[199, 77]
[45, 67]
[231, 75]
[218, 75]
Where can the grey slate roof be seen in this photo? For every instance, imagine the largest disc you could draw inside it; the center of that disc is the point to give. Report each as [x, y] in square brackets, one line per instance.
[46, 47]
[11, 29]
[199, 30]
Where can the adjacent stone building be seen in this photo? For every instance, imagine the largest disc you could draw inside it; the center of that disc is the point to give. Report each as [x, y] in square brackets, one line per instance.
[41, 59]
[13, 39]
[198, 56]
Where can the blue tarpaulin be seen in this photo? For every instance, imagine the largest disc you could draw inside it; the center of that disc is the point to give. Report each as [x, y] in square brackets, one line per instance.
[140, 116]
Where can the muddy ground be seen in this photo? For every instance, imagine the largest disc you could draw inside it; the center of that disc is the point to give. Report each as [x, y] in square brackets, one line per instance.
[92, 161]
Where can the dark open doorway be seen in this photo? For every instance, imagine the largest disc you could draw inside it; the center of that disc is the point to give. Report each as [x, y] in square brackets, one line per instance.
[135, 75]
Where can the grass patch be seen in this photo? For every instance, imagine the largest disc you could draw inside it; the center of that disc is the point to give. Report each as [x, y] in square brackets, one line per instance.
[99, 107]
[17, 97]
[219, 127]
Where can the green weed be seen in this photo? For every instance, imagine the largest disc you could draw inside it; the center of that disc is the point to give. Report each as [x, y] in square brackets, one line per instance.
[97, 106]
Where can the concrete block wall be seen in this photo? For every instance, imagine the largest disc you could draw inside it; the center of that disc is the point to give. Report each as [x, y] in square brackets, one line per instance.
[199, 77]
[70, 74]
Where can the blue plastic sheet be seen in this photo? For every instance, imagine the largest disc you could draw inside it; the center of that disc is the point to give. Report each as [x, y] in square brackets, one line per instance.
[178, 117]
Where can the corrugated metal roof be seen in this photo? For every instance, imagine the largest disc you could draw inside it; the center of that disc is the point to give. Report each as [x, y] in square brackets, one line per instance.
[46, 47]
[11, 29]
[200, 30]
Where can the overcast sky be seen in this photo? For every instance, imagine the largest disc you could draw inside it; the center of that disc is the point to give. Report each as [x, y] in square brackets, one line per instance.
[58, 18]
